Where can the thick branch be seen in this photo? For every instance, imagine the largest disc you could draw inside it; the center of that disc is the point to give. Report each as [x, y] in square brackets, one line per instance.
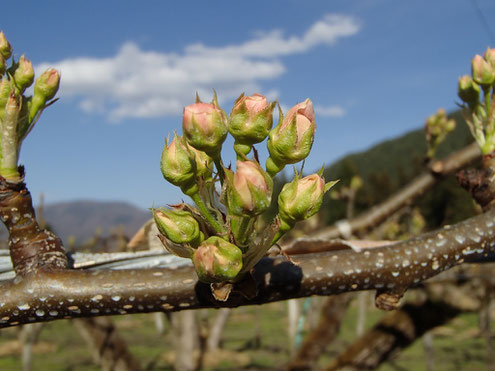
[48, 295]
[30, 247]
[417, 187]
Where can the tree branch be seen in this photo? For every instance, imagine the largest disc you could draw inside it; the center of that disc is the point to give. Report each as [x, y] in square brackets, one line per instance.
[417, 187]
[49, 295]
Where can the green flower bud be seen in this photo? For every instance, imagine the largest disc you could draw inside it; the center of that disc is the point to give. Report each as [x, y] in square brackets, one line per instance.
[249, 189]
[204, 163]
[217, 260]
[490, 56]
[291, 140]
[251, 119]
[205, 127]
[5, 47]
[301, 198]
[23, 73]
[468, 90]
[177, 163]
[179, 226]
[483, 72]
[437, 127]
[45, 88]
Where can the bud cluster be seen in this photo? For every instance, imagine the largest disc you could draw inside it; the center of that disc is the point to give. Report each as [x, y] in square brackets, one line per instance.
[223, 234]
[18, 112]
[476, 92]
[437, 127]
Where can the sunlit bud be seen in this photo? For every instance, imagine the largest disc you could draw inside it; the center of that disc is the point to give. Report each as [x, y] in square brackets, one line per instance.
[179, 226]
[217, 260]
[302, 198]
[205, 127]
[5, 47]
[490, 56]
[47, 84]
[249, 189]
[251, 119]
[204, 163]
[291, 140]
[468, 90]
[177, 163]
[45, 88]
[483, 72]
[24, 73]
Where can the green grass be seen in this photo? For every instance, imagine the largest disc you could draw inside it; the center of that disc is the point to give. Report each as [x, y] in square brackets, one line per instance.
[258, 334]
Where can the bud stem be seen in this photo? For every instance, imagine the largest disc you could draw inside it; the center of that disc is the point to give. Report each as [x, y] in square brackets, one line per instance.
[284, 228]
[272, 168]
[206, 214]
[241, 150]
[8, 166]
[241, 227]
[217, 160]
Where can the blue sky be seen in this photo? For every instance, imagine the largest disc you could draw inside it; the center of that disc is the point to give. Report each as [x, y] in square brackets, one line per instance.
[374, 69]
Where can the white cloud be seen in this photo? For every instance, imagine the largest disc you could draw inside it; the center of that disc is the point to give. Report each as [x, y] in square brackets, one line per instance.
[143, 84]
[330, 111]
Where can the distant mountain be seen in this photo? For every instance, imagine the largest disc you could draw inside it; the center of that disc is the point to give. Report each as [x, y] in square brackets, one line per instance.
[81, 219]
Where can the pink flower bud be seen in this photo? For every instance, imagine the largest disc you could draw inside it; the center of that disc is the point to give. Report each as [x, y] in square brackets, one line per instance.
[45, 88]
[47, 84]
[249, 190]
[177, 164]
[24, 73]
[483, 72]
[251, 119]
[5, 47]
[291, 140]
[217, 260]
[205, 127]
[468, 90]
[490, 56]
[302, 198]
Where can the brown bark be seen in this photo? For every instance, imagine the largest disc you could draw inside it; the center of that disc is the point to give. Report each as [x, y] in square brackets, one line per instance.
[43, 296]
[31, 248]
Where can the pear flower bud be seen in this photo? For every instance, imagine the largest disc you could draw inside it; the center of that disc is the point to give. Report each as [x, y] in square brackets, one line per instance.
[45, 88]
[250, 189]
[291, 140]
[251, 119]
[5, 47]
[179, 226]
[205, 127]
[217, 260]
[24, 73]
[468, 90]
[483, 72]
[177, 163]
[204, 163]
[301, 198]
[490, 56]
